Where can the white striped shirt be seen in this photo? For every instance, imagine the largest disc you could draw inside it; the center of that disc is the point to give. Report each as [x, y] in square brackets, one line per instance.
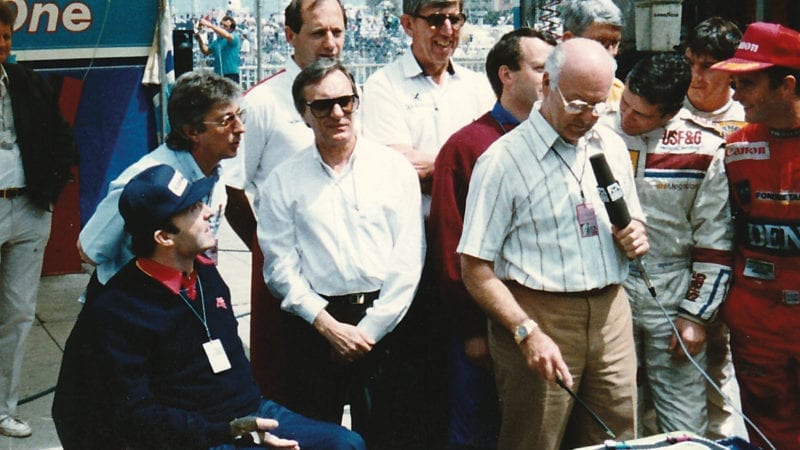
[522, 209]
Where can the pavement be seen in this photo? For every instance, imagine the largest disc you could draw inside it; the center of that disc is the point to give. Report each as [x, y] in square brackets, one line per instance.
[56, 311]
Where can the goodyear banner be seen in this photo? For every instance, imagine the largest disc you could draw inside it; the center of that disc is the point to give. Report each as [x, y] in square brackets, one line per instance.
[68, 29]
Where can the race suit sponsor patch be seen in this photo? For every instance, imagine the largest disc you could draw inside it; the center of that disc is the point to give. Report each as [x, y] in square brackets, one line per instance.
[739, 151]
[779, 238]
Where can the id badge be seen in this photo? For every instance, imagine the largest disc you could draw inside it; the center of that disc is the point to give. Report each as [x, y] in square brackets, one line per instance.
[587, 220]
[216, 356]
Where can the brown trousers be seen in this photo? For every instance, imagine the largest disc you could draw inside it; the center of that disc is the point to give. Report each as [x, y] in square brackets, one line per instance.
[595, 336]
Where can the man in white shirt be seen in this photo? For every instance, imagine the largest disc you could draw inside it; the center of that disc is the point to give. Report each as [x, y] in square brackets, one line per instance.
[415, 103]
[275, 131]
[206, 125]
[539, 254]
[342, 235]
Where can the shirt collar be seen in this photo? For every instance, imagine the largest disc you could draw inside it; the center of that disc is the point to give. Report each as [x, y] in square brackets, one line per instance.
[174, 280]
[502, 116]
[411, 67]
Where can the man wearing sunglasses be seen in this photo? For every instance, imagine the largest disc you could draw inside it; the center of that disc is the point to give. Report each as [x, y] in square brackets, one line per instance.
[275, 131]
[341, 230]
[539, 254]
[206, 125]
[414, 105]
[680, 178]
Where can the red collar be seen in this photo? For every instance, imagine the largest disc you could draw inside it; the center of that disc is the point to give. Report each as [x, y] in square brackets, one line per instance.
[172, 279]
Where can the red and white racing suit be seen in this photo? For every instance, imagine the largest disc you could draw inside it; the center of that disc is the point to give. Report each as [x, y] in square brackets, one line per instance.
[683, 190]
[763, 306]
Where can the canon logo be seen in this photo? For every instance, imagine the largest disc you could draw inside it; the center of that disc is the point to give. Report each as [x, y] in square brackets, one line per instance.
[748, 46]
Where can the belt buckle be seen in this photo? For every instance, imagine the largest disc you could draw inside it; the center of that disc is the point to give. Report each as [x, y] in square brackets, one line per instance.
[790, 298]
[358, 299]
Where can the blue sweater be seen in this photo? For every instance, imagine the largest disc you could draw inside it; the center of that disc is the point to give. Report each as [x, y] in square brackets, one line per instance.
[161, 390]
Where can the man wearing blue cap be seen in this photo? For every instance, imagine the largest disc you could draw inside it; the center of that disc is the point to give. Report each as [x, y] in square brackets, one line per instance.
[155, 360]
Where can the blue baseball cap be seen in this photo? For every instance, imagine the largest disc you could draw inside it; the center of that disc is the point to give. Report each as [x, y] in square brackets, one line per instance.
[158, 193]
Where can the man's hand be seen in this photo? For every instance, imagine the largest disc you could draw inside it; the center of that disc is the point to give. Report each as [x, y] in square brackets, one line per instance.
[346, 340]
[477, 351]
[422, 162]
[693, 335]
[261, 427]
[544, 356]
[632, 239]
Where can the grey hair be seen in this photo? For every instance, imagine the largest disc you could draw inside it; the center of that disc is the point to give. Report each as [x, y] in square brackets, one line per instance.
[578, 15]
[194, 95]
[413, 6]
[558, 57]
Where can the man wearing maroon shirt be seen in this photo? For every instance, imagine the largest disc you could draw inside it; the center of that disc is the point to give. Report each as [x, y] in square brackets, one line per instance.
[514, 67]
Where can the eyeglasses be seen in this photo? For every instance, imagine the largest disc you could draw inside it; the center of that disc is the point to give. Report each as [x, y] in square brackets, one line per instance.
[579, 106]
[323, 107]
[229, 119]
[436, 20]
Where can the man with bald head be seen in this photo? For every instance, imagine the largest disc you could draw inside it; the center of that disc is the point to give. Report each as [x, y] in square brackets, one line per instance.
[539, 254]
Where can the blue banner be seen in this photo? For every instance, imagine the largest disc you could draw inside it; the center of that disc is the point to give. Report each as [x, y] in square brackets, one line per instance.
[69, 29]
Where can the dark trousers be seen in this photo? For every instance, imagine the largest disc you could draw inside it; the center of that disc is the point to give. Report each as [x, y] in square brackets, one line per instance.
[321, 384]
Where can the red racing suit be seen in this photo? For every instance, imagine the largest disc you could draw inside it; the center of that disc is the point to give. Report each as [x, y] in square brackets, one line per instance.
[763, 306]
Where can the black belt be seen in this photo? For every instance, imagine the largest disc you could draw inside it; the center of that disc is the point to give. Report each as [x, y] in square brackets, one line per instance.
[359, 298]
[12, 192]
[589, 293]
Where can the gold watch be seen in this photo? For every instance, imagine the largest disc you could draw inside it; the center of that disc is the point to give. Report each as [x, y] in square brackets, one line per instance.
[523, 330]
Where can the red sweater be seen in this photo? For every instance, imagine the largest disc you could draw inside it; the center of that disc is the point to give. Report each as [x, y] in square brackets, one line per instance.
[452, 172]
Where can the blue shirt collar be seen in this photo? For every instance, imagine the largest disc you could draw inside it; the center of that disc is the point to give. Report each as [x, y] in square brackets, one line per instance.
[502, 116]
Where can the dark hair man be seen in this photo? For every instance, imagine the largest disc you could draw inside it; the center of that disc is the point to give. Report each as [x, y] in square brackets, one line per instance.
[225, 47]
[155, 359]
[761, 160]
[515, 66]
[206, 125]
[680, 179]
[36, 153]
[710, 95]
[340, 227]
[275, 131]
[538, 249]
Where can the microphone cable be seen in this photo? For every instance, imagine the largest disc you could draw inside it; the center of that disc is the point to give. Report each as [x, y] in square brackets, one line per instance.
[611, 193]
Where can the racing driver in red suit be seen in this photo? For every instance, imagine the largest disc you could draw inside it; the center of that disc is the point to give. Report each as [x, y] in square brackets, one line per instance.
[763, 164]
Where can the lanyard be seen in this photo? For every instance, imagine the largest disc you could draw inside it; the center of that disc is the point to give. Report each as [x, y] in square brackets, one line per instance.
[202, 320]
[576, 177]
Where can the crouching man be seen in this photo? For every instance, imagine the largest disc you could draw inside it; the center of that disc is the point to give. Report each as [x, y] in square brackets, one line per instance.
[155, 361]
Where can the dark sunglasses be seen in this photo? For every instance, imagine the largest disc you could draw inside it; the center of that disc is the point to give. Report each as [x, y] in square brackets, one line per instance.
[323, 107]
[436, 20]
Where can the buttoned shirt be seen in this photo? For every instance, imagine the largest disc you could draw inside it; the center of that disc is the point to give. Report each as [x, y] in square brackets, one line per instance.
[523, 206]
[332, 233]
[12, 173]
[404, 106]
[104, 239]
[275, 131]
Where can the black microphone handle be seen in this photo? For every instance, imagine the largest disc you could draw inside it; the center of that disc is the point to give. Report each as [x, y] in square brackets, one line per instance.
[610, 192]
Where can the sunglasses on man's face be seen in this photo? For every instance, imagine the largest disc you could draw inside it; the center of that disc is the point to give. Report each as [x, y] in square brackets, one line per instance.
[323, 107]
[436, 20]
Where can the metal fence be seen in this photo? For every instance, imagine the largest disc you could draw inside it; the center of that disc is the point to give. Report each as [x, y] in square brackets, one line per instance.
[361, 71]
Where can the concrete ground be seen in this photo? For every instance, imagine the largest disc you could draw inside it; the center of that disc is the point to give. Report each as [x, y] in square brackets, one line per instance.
[56, 312]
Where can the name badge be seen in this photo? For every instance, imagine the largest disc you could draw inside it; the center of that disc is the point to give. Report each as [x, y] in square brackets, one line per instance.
[761, 270]
[587, 220]
[216, 356]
